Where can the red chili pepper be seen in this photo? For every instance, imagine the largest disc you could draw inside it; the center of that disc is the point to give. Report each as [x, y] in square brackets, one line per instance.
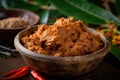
[16, 73]
[36, 75]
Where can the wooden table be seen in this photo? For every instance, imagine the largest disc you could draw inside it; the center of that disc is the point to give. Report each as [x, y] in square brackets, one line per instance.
[105, 71]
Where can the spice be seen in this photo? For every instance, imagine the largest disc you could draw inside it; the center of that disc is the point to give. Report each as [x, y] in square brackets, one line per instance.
[17, 73]
[13, 22]
[36, 75]
[66, 37]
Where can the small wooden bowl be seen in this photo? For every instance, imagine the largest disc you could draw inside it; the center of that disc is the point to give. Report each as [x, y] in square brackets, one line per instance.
[7, 35]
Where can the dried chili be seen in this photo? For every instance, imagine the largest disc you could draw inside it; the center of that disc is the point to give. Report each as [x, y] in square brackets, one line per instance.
[36, 75]
[14, 74]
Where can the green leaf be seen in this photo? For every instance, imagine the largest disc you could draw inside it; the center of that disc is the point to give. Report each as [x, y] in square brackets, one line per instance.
[1, 4]
[97, 2]
[54, 14]
[42, 2]
[25, 0]
[28, 6]
[19, 4]
[44, 15]
[115, 50]
[85, 11]
[7, 3]
[117, 6]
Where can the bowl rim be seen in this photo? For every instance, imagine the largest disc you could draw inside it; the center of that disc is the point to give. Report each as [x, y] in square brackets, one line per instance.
[21, 10]
[102, 52]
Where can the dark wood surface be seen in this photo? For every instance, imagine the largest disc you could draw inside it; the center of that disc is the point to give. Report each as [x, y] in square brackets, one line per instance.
[105, 71]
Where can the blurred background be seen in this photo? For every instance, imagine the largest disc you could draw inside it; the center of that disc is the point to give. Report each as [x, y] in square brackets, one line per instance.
[103, 15]
[49, 10]
[95, 13]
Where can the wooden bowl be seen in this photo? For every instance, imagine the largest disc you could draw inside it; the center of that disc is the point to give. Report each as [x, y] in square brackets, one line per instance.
[61, 66]
[7, 35]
